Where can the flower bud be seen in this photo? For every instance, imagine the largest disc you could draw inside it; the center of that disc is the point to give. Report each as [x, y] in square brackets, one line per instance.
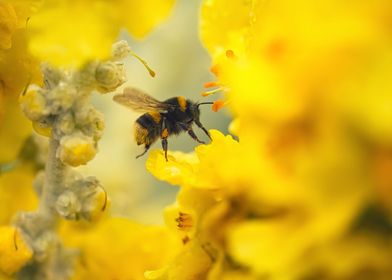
[109, 76]
[68, 205]
[76, 150]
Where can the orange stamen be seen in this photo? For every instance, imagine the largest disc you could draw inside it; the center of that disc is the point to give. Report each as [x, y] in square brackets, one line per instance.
[214, 70]
[210, 84]
[230, 54]
[184, 222]
[218, 104]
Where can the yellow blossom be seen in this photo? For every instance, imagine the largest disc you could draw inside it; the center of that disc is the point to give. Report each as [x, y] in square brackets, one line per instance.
[73, 32]
[14, 252]
[8, 23]
[195, 169]
[174, 170]
[17, 66]
[16, 192]
[191, 264]
[17, 69]
[303, 184]
[14, 129]
[117, 248]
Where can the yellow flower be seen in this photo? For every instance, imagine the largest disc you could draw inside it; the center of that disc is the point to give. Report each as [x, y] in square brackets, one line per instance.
[285, 68]
[191, 264]
[303, 184]
[8, 23]
[140, 18]
[73, 32]
[117, 248]
[17, 66]
[16, 192]
[14, 129]
[17, 69]
[176, 170]
[14, 252]
[194, 170]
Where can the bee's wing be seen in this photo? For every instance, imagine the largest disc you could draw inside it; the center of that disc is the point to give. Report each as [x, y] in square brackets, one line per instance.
[140, 101]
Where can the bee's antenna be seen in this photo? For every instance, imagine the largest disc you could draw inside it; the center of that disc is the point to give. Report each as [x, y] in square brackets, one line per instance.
[205, 103]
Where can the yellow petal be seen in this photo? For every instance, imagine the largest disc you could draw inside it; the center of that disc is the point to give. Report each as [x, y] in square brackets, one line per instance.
[141, 17]
[24, 9]
[194, 254]
[8, 24]
[14, 252]
[224, 24]
[17, 66]
[117, 248]
[178, 170]
[73, 32]
[16, 192]
[14, 130]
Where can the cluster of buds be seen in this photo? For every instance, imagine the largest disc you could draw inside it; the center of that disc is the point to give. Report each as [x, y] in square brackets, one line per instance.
[60, 108]
[83, 198]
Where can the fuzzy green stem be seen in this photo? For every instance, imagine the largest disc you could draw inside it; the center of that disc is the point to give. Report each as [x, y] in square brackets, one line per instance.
[55, 172]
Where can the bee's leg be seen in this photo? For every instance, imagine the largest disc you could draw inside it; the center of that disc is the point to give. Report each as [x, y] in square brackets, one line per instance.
[198, 123]
[190, 131]
[164, 146]
[146, 147]
[194, 137]
[164, 135]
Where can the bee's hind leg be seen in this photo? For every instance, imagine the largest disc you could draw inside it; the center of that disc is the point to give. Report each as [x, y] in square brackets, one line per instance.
[164, 146]
[164, 135]
[146, 147]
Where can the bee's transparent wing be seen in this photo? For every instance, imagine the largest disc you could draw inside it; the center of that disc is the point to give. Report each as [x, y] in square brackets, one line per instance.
[140, 101]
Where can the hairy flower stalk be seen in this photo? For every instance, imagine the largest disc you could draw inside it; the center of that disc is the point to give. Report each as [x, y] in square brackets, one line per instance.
[61, 111]
[54, 175]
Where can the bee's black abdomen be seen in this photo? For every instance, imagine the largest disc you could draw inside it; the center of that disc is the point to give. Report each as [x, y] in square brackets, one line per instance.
[147, 128]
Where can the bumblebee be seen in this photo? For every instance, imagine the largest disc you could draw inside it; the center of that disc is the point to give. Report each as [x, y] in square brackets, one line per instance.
[161, 119]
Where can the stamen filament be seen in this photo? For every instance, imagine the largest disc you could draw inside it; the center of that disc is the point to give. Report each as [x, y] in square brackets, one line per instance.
[207, 93]
[152, 73]
[215, 70]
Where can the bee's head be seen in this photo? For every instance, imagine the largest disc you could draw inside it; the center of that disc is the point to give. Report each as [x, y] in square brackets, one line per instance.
[196, 109]
[196, 116]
